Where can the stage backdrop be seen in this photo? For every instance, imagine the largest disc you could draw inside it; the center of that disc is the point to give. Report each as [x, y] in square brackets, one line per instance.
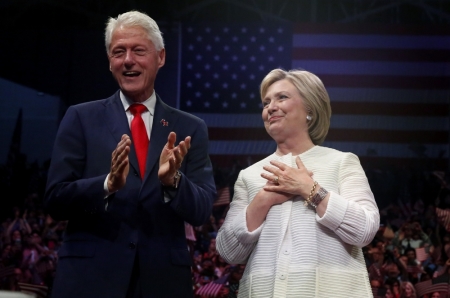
[389, 87]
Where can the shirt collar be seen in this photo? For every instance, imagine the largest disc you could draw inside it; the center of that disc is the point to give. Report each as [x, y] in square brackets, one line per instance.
[149, 102]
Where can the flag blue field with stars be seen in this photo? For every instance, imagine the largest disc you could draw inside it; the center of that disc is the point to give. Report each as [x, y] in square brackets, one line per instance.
[222, 65]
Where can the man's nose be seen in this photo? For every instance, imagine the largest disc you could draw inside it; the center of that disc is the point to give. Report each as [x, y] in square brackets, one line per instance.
[129, 57]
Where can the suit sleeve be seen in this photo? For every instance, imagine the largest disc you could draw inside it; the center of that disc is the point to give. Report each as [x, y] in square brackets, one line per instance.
[196, 192]
[67, 192]
[352, 213]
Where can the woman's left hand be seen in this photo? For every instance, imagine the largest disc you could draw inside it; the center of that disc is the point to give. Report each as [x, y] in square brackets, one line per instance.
[283, 178]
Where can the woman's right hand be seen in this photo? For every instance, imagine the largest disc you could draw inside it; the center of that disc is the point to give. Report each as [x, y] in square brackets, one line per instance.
[260, 205]
[273, 197]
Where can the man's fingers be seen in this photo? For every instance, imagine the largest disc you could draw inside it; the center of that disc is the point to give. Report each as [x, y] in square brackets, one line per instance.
[187, 141]
[183, 148]
[122, 165]
[171, 140]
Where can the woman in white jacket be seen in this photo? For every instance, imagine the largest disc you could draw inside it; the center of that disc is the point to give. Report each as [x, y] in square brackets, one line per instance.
[299, 217]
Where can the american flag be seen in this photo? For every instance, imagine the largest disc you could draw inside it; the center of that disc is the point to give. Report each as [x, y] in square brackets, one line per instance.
[443, 218]
[223, 197]
[212, 289]
[388, 86]
[421, 254]
[438, 284]
[38, 291]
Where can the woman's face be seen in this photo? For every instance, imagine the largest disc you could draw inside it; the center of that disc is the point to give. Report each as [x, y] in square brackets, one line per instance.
[408, 291]
[284, 113]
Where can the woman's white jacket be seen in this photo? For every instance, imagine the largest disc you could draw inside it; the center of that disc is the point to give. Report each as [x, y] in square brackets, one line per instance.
[295, 253]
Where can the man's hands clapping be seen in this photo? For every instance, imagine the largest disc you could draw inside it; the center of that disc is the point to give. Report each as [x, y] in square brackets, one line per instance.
[120, 165]
[171, 158]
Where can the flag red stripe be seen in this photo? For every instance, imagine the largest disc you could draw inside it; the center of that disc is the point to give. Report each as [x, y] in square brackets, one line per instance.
[355, 54]
[336, 134]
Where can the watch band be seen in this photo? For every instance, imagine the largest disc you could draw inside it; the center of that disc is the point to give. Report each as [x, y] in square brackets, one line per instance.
[318, 197]
[176, 179]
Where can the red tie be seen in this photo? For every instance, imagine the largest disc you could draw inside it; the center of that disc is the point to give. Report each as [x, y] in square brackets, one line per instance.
[139, 135]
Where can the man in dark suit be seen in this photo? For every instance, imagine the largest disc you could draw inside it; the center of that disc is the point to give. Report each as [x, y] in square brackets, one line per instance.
[126, 211]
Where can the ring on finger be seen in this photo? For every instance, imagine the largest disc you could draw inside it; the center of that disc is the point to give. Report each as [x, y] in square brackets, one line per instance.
[275, 180]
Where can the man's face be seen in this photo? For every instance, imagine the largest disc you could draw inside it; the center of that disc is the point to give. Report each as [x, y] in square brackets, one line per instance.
[411, 255]
[134, 62]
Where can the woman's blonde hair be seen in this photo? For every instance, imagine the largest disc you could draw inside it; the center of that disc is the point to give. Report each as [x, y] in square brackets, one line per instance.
[315, 98]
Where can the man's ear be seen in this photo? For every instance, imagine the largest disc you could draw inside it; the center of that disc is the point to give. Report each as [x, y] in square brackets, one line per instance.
[162, 57]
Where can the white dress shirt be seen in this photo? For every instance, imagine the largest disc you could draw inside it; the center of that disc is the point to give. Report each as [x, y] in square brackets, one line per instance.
[147, 117]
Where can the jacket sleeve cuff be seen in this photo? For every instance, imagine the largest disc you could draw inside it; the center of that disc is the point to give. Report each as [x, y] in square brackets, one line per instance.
[240, 229]
[334, 215]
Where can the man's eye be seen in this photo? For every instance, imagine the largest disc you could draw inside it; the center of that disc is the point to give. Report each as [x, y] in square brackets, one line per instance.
[118, 54]
[140, 52]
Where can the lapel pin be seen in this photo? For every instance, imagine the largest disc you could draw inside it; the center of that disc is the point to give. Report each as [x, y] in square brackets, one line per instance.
[164, 122]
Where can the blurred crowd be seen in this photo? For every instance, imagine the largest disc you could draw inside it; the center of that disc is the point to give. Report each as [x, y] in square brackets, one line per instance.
[411, 247]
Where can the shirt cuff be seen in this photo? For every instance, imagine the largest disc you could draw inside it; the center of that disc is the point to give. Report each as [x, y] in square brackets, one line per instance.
[105, 187]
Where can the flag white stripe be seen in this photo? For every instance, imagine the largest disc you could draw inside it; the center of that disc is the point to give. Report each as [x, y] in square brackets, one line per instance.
[359, 148]
[371, 41]
[345, 67]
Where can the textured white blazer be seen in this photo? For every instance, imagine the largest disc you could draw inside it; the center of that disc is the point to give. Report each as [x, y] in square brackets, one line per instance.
[295, 253]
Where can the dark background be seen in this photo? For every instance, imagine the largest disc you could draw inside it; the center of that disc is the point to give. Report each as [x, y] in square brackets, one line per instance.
[57, 47]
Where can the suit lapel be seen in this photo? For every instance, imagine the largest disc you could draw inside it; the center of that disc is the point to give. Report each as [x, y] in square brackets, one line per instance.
[116, 120]
[163, 124]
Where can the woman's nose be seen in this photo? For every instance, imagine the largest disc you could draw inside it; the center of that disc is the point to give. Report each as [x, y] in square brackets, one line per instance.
[273, 105]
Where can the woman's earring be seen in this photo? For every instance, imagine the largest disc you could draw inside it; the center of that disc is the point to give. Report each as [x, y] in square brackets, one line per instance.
[308, 117]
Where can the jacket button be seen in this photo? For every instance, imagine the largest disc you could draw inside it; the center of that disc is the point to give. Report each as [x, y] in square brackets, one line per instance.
[132, 245]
